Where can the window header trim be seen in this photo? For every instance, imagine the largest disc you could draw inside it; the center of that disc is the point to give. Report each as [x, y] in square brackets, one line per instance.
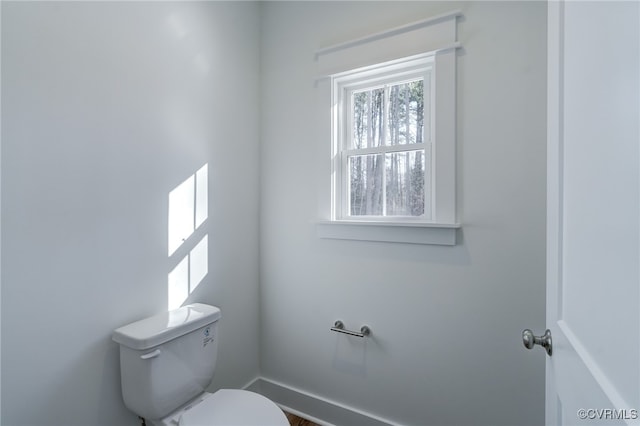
[435, 35]
[388, 33]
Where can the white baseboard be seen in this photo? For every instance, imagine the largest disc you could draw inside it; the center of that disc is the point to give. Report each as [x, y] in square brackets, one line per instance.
[313, 407]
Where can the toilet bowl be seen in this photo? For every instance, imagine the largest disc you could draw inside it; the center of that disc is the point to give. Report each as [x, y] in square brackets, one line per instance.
[166, 363]
[228, 407]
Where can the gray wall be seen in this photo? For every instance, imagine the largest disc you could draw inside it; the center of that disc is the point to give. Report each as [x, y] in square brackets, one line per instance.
[106, 107]
[446, 321]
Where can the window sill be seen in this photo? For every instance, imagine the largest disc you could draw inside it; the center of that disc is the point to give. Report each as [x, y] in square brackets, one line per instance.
[395, 232]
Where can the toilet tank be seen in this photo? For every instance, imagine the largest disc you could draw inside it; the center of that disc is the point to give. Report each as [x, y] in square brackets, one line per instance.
[167, 359]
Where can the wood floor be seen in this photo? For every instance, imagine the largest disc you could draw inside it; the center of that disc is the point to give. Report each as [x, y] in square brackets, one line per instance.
[298, 421]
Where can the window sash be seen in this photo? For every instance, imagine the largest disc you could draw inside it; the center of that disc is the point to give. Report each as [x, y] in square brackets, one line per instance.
[386, 149]
[345, 202]
[385, 77]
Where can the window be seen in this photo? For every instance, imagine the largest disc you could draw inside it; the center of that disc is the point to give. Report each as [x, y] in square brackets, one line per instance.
[392, 127]
[383, 142]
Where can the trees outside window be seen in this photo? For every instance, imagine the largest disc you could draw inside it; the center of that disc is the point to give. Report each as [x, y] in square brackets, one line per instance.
[384, 142]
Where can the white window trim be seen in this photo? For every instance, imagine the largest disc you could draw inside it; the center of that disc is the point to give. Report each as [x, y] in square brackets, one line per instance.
[443, 226]
[420, 66]
[392, 232]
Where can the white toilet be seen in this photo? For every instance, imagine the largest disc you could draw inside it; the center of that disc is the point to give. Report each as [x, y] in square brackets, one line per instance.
[166, 363]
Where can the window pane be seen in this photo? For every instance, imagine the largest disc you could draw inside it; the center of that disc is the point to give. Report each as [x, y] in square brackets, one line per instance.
[365, 191]
[367, 118]
[405, 183]
[405, 113]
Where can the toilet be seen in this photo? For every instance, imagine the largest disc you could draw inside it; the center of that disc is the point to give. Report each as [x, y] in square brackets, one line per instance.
[166, 363]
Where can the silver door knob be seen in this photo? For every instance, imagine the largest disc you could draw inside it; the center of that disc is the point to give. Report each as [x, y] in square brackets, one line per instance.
[530, 340]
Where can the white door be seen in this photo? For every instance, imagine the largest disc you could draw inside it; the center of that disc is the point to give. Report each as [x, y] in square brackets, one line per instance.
[593, 229]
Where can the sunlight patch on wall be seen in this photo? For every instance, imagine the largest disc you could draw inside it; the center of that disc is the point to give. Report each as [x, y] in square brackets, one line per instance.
[178, 288]
[198, 263]
[202, 195]
[188, 211]
[181, 213]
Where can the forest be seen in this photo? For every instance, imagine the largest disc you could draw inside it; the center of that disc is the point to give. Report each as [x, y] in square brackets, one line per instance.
[389, 123]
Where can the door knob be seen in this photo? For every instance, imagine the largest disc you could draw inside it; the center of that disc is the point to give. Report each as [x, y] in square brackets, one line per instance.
[530, 340]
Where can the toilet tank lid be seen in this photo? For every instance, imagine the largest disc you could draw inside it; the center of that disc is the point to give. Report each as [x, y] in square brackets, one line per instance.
[161, 328]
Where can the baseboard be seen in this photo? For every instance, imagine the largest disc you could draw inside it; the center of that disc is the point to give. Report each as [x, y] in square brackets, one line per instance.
[313, 407]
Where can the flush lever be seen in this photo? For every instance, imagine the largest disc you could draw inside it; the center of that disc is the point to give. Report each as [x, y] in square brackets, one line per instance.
[529, 340]
[150, 354]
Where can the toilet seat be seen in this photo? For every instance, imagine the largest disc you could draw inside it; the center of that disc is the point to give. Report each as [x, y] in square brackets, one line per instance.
[234, 407]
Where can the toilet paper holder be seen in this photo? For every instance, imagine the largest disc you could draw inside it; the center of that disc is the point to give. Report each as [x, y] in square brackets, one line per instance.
[338, 327]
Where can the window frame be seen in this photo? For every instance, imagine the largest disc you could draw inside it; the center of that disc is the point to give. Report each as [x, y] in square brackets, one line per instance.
[437, 68]
[381, 76]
